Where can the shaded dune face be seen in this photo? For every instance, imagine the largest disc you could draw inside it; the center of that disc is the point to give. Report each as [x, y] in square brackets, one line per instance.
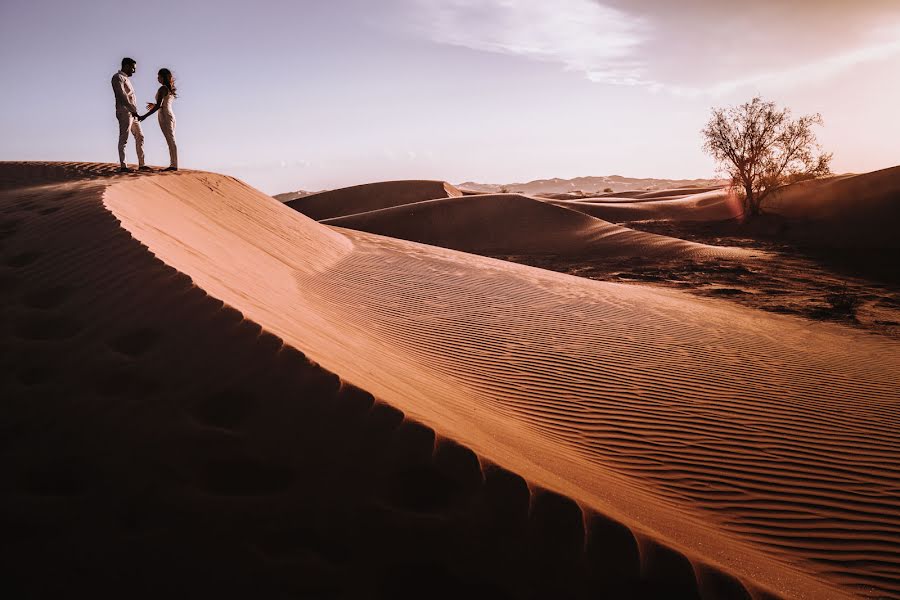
[517, 224]
[853, 211]
[841, 195]
[750, 441]
[372, 196]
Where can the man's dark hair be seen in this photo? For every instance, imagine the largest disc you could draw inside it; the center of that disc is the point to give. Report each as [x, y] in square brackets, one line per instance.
[128, 61]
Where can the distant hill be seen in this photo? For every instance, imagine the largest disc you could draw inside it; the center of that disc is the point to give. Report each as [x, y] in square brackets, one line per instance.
[288, 196]
[586, 185]
[591, 185]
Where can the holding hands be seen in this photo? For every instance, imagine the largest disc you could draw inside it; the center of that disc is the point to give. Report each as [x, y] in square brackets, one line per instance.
[150, 106]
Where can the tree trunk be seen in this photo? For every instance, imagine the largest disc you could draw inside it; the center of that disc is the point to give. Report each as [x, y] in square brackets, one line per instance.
[752, 205]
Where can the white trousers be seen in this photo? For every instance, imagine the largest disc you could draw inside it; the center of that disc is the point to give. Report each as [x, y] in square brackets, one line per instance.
[167, 124]
[127, 123]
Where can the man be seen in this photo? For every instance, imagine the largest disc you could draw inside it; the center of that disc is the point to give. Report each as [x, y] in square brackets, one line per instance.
[127, 114]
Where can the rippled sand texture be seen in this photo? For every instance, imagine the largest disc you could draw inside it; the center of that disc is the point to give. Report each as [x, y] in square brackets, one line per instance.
[761, 444]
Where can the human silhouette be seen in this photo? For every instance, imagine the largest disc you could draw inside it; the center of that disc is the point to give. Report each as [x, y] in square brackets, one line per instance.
[127, 113]
[166, 93]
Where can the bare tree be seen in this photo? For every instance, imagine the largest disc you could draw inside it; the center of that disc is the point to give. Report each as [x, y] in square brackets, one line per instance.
[762, 148]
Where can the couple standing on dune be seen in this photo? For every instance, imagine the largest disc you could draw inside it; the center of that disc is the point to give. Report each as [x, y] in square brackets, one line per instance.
[130, 120]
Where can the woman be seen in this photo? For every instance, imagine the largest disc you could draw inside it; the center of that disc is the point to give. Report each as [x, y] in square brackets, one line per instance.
[164, 97]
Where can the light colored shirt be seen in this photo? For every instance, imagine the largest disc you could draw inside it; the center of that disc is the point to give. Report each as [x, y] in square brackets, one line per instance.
[124, 93]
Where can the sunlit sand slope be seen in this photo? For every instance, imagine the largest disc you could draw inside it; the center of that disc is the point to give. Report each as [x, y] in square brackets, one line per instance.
[371, 196]
[758, 445]
[516, 224]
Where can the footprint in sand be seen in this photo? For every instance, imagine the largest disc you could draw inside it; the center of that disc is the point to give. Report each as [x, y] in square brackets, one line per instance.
[23, 259]
[245, 476]
[137, 342]
[226, 409]
[47, 298]
[46, 328]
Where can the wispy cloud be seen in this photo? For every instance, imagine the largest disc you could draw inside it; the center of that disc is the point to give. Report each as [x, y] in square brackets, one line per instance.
[610, 45]
[794, 75]
[581, 35]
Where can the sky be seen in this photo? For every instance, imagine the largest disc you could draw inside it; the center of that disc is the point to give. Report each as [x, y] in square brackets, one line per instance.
[316, 94]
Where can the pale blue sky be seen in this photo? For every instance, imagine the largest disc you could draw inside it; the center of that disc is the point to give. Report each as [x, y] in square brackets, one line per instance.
[316, 94]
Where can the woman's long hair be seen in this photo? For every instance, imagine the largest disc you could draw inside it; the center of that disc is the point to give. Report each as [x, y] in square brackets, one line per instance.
[169, 81]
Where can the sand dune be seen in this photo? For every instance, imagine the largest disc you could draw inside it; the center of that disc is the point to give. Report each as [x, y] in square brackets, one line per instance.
[588, 185]
[534, 433]
[516, 224]
[372, 196]
[857, 210]
[435, 313]
[852, 211]
[682, 192]
[625, 194]
[715, 205]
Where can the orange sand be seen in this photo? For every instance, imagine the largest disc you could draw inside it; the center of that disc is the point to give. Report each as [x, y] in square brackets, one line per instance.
[673, 445]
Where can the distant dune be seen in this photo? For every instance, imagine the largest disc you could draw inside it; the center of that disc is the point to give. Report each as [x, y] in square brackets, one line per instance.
[288, 196]
[679, 192]
[206, 393]
[589, 185]
[373, 196]
[715, 205]
[516, 224]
